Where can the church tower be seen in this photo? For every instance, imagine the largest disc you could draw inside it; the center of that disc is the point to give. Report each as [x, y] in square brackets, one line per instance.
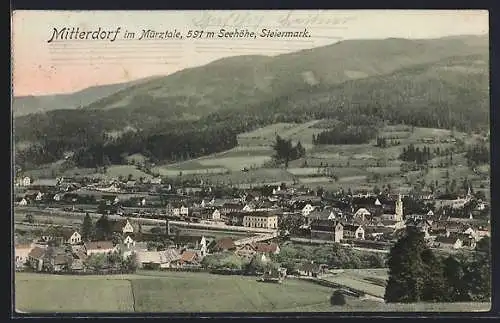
[203, 246]
[398, 216]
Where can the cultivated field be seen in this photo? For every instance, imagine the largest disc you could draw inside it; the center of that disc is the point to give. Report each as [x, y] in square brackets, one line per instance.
[360, 166]
[192, 292]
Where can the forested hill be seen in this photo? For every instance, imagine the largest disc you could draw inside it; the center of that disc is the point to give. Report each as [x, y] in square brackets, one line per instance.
[24, 105]
[236, 82]
[437, 83]
[451, 93]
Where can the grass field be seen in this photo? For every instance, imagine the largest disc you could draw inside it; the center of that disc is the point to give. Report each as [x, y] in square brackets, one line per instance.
[266, 135]
[191, 292]
[40, 293]
[162, 292]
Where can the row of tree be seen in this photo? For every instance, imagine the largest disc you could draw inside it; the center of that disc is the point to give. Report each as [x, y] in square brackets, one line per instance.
[478, 154]
[343, 134]
[416, 155]
[383, 142]
[292, 256]
[286, 152]
[101, 230]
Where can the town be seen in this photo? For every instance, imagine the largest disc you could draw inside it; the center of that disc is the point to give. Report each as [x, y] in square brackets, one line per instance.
[346, 171]
[68, 224]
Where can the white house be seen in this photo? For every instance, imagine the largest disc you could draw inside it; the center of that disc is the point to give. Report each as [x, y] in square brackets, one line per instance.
[23, 202]
[143, 202]
[361, 214]
[58, 197]
[155, 180]
[353, 232]
[24, 181]
[129, 242]
[481, 206]
[307, 209]
[471, 232]
[128, 228]
[39, 196]
[99, 247]
[448, 242]
[22, 252]
[72, 237]
[216, 215]
[203, 246]
[180, 210]
[184, 211]
[248, 208]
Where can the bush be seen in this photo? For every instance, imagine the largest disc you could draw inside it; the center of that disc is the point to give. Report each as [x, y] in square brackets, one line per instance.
[337, 298]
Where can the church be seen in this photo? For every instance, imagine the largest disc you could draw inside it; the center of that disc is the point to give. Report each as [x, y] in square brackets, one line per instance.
[395, 220]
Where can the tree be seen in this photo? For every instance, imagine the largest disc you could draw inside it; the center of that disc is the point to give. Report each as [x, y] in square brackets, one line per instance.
[96, 261]
[406, 269]
[114, 259]
[256, 265]
[337, 298]
[434, 282]
[300, 151]
[103, 228]
[286, 152]
[455, 288]
[130, 263]
[116, 238]
[87, 228]
[477, 275]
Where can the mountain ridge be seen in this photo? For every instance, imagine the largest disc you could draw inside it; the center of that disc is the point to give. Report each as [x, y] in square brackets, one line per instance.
[202, 109]
[278, 67]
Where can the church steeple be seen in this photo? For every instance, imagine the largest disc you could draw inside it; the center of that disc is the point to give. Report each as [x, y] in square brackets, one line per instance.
[398, 214]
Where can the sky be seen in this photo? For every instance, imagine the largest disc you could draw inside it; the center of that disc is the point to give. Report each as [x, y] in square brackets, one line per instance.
[62, 66]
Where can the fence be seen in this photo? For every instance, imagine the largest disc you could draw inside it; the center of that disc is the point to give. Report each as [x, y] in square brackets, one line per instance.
[83, 273]
[345, 289]
[188, 269]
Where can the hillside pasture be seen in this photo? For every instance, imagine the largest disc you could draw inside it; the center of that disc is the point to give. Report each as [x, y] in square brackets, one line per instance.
[253, 176]
[236, 163]
[351, 179]
[266, 136]
[51, 170]
[234, 159]
[306, 171]
[386, 171]
[315, 180]
[169, 171]
[136, 159]
[116, 171]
